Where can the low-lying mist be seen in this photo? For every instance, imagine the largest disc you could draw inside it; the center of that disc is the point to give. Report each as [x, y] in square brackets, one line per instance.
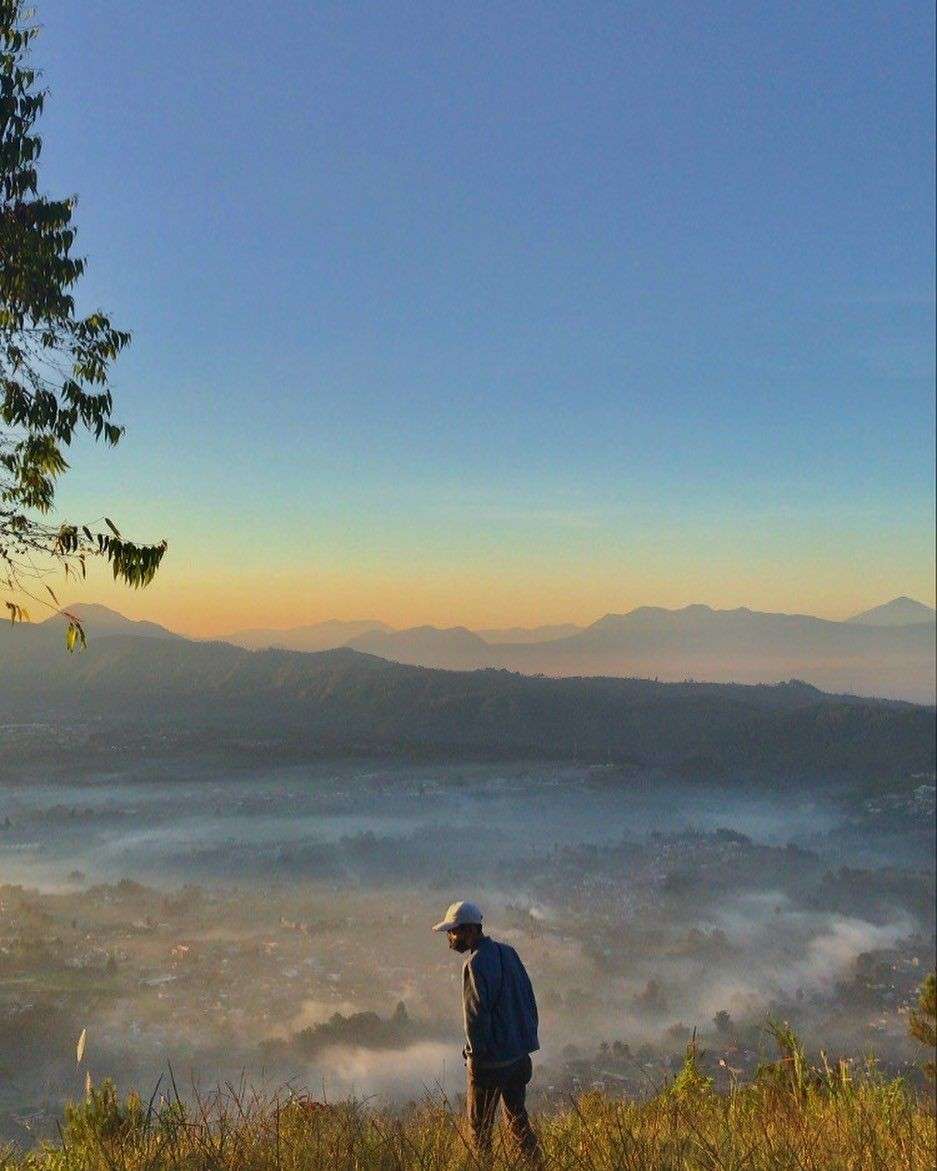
[275, 924]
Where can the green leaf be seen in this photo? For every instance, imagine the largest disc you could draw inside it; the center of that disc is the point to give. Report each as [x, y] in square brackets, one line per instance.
[75, 636]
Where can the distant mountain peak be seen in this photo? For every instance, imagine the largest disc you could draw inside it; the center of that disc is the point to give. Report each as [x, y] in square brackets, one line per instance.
[98, 619]
[314, 636]
[430, 646]
[90, 610]
[649, 613]
[901, 611]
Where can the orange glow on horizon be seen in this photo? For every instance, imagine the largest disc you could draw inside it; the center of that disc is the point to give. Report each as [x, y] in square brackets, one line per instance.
[213, 605]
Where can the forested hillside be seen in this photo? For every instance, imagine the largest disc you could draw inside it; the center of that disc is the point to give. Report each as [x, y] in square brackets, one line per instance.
[348, 700]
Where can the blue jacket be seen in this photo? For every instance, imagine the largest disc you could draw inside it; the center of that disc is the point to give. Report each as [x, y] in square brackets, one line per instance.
[498, 1005]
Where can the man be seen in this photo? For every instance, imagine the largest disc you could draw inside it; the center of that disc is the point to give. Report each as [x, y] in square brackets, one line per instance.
[500, 1016]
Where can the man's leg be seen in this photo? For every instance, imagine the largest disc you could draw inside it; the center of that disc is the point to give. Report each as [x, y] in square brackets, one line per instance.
[513, 1097]
[481, 1103]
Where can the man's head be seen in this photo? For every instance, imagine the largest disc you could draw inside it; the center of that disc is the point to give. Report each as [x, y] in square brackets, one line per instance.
[462, 924]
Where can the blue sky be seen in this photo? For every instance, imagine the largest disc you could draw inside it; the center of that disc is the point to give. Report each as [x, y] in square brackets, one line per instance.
[507, 312]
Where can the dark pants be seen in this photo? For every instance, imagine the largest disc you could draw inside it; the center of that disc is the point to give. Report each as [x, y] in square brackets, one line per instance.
[507, 1085]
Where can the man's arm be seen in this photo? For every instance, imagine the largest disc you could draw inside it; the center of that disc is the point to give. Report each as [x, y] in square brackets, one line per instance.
[535, 1016]
[530, 993]
[476, 1008]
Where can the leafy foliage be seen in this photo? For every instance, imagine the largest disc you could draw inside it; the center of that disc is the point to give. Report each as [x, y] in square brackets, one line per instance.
[690, 1083]
[364, 1029]
[54, 364]
[923, 1022]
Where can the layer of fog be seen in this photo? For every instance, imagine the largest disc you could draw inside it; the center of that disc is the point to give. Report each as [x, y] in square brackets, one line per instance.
[172, 828]
[586, 873]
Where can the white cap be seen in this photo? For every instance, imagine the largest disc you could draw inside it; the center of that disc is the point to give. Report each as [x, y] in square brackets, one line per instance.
[458, 914]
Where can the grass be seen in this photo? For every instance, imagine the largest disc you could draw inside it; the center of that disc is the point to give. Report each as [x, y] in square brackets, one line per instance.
[792, 1117]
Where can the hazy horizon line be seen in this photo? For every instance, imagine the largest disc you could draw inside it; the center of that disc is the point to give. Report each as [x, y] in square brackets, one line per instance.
[488, 626]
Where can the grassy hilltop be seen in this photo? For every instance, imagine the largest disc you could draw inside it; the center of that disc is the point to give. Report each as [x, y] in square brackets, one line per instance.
[793, 1117]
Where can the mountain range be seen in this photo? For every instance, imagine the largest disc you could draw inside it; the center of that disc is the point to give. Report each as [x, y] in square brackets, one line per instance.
[258, 704]
[888, 651]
